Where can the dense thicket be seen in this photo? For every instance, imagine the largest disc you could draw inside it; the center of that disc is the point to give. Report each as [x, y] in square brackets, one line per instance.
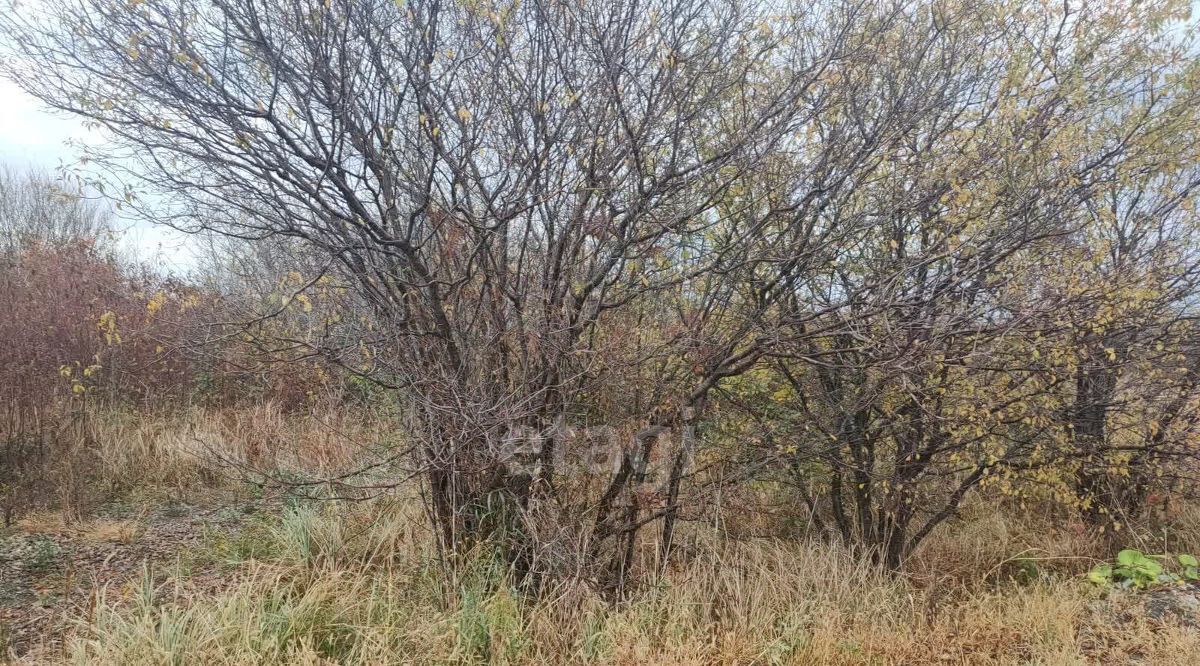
[869, 256]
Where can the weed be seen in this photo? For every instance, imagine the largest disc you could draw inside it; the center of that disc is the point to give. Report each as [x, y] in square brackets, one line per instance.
[1136, 569]
[44, 555]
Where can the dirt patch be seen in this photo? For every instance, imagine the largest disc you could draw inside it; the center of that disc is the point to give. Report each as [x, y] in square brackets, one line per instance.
[49, 571]
[1137, 623]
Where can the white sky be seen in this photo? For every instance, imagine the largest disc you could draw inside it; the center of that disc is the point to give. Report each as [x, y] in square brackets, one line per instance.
[33, 137]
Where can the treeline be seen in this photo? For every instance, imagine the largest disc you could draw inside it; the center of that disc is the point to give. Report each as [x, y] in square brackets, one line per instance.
[86, 321]
[862, 259]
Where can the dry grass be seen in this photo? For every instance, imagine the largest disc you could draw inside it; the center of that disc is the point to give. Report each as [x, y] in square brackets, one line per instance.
[356, 583]
[987, 544]
[93, 452]
[198, 445]
[322, 589]
[96, 530]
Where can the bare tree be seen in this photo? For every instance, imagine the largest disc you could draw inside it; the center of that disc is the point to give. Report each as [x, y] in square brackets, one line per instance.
[969, 350]
[490, 181]
[530, 214]
[34, 207]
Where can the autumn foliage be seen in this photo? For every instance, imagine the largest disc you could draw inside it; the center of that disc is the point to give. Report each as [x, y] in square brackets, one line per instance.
[848, 266]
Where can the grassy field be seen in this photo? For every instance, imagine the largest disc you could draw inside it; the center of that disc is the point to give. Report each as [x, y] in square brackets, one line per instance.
[172, 558]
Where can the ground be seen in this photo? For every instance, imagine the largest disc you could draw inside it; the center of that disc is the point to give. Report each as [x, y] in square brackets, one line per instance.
[50, 570]
[53, 575]
[179, 566]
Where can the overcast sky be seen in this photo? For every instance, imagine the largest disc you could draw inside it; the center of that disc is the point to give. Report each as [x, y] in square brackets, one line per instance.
[32, 137]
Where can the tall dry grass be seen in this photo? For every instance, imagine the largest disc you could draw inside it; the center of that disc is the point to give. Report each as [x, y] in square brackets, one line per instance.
[71, 456]
[358, 582]
[198, 445]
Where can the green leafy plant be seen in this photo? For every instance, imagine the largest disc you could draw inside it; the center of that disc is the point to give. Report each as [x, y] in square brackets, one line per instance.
[43, 554]
[1191, 566]
[1138, 570]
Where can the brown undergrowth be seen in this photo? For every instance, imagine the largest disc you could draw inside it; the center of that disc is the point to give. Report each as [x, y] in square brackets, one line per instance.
[203, 567]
